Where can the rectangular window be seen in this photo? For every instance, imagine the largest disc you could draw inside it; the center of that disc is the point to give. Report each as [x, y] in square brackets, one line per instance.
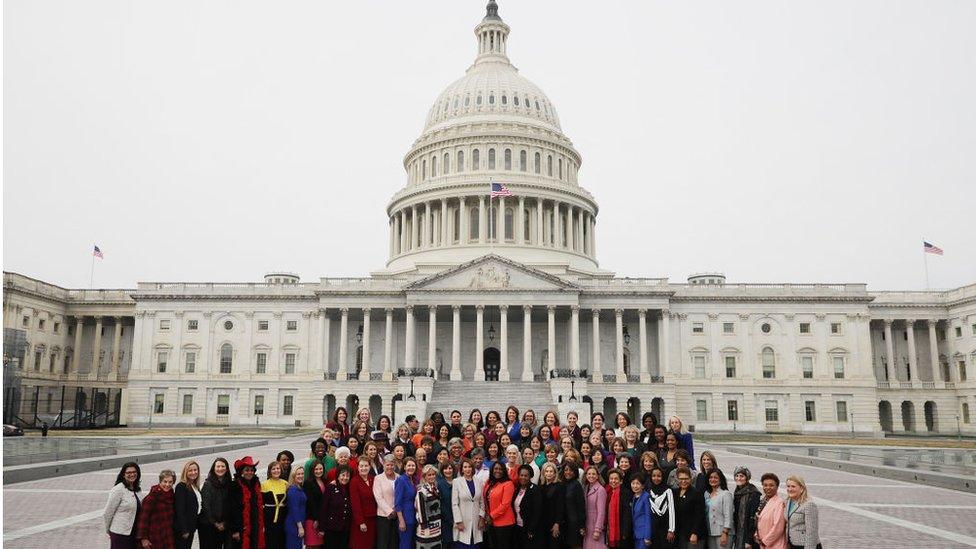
[50, 403]
[699, 366]
[804, 327]
[262, 363]
[733, 408]
[835, 328]
[57, 327]
[940, 333]
[161, 360]
[259, 405]
[697, 327]
[810, 410]
[159, 401]
[289, 363]
[288, 405]
[40, 324]
[974, 329]
[187, 405]
[223, 405]
[701, 410]
[838, 367]
[842, 411]
[26, 322]
[728, 327]
[192, 325]
[730, 366]
[962, 370]
[807, 363]
[262, 325]
[772, 411]
[164, 325]
[965, 412]
[191, 362]
[291, 325]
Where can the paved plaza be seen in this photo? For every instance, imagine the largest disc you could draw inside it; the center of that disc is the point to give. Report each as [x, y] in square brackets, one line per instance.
[856, 510]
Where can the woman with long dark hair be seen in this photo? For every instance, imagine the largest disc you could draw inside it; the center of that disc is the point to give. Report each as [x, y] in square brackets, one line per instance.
[314, 487]
[122, 507]
[475, 418]
[215, 500]
[499, 514]
[404, 493]
[527, 504]
[340, 425]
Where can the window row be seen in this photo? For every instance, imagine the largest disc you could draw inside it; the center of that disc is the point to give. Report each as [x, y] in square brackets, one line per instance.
[223, 404]
[804, 328]
[193, 325]
[490, 101]
[226, 361]
[771, 410]
[768, 362]
[555, 166]
[42, 324]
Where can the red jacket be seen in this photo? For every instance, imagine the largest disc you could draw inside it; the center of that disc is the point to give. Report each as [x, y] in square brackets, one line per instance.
[157, 519]
[499, 499]
[362, 499]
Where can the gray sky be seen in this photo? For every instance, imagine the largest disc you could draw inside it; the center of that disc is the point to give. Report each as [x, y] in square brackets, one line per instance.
[774, 141]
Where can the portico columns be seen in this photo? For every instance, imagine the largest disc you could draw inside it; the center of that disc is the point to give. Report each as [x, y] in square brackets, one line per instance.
[97, 347]
[76, 357]
[388, 347]
[890, 351]
[410, 343]
[427, 226]
[551, 358]
[574, 346]
[463, 230]
[432, 339]
[367, 356]
[503, 374]
[539, 223]
[621, 374]
[557, 225]
[527, 343]
[934, 351]
[645, 373]
[663, 344]
[456, 344]
[597, 374]
[414, 228]
[444, 223]
[479, 358]
[912, 359]
[482, 220]
[401, 227]
[341, 374]
[116, 341]
[520, 222]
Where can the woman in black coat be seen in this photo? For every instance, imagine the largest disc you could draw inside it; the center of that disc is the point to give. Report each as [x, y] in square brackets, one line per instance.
[528, 508]
[574, 517]
[214, 518]
[619, 500]
[553, 506]
[689, 512]
[746, 505]
[187, 505]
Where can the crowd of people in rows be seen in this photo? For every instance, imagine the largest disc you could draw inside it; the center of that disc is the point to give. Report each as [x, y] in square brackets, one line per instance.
[495, 481]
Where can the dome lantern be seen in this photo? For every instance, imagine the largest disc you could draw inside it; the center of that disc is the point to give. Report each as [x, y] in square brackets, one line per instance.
[492, 35]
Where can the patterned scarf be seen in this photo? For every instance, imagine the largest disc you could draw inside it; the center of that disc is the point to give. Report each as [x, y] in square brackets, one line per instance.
[613, 517]
[246, 500]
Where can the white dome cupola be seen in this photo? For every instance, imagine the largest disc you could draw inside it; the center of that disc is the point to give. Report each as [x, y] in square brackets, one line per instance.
[492, 125]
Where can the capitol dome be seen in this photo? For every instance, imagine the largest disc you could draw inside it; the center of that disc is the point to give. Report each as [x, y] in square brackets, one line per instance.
[492, 125]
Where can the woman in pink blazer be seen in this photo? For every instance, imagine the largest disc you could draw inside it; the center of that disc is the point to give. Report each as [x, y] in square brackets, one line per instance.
[771, 523]
[596, 510]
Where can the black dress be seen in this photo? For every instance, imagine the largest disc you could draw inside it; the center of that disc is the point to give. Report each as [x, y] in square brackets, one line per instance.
[186, 508]
[575, 514]
[689, 515]
[553, 509]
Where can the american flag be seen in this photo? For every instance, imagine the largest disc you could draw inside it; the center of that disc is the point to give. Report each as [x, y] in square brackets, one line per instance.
[98, 253]
[931, 248]
[497, 189]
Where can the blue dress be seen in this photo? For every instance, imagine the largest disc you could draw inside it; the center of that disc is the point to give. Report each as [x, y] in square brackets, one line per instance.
[296, 498]
[404, 494]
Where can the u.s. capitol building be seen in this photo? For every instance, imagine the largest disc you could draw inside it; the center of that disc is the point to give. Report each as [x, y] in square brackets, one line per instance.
[485, 301]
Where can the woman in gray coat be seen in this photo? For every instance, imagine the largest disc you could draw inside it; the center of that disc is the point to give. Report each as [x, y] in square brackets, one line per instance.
[719, 506]
[802, 526]
[122, 508]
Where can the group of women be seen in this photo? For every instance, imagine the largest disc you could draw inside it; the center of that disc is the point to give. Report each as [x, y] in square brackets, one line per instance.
[493, 482]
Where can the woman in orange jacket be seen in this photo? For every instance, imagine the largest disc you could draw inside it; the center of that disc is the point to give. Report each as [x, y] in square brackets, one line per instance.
[499, 491]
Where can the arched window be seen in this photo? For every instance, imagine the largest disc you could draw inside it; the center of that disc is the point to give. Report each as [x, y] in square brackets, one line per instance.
[768, 363]
[538, 163]
[491, 159]
[509, 233]
[549, 158]
[508, 159]
[473, 220]
[527, 102]
[433, 166]
[423, 170]
[523, 160]
[476, 159]
[226, 358]
[460, 161]
[515, 98]
[537, 105]
[447, 163]
[457, 225]
[467, 100]
[525, 225]
[560, 168]
[504, 100]
[479, 100]
[456, 101]
[491, 99]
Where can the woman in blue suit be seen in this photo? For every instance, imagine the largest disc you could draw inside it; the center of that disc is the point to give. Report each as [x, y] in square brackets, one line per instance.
[640, 510]
[404, 493]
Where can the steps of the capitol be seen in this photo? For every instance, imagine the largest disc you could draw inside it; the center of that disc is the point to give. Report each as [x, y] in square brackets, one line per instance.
[494, 395]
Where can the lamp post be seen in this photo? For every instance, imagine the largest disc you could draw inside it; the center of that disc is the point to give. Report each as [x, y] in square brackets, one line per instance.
[411, 397]
[572, 390]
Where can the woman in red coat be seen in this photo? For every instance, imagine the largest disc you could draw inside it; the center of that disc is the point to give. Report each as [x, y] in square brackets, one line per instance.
[157, 515]
[363, 530]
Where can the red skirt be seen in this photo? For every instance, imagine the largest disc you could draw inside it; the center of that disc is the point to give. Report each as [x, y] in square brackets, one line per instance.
[312, 537]
[363, 540]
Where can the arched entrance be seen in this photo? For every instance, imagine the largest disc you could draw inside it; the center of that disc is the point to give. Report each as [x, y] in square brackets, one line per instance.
[931, 417]
[884, 416]
[908, 415]
[492, 359]
[657, 407]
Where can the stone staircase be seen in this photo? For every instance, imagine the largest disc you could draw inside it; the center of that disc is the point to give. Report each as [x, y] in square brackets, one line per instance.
[490, 395]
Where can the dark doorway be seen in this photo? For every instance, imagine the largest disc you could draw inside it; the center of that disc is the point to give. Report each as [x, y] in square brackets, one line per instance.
[493, 360]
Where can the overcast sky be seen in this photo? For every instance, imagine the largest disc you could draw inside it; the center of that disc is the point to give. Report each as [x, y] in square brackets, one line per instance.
[214, 141]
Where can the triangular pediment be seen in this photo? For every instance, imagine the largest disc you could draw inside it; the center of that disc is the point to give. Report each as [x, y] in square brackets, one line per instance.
[492, 273]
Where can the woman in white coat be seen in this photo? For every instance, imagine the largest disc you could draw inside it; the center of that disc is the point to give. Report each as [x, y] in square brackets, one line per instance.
[467, 502]
[123, 507]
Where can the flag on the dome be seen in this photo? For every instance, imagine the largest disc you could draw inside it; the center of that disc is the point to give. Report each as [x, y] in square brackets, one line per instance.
[98, 253]
[931, 248]
[497, 189]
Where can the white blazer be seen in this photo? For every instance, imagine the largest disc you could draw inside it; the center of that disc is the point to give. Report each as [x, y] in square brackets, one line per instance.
[467, 509]
[120, 510]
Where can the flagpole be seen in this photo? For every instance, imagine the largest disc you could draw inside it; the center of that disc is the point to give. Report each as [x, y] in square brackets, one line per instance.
[91, 274]
[925, 261]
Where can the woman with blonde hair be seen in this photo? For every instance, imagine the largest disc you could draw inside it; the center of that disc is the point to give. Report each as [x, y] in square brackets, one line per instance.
[802, 516]
[273, 493]
[188, 503]
[553, 505]
[295, 518]
[365, 416]
[685, 440]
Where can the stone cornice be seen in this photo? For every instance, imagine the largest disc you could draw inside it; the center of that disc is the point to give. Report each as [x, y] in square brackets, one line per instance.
[225, 297]
[770, 299]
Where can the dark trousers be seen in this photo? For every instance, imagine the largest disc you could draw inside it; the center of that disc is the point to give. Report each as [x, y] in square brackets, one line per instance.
[184, 543]
[387, 533]
[337, 538]
[523, 541]
[500, 537]
[119, 541]
[211, 538]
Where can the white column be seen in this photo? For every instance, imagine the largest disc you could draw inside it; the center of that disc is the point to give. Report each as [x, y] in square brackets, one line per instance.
[367, 356]
[520, 228]
[401, 228]
[500, 220]
[621, 375]
[76, 357]
[592, 236]
[116, 341]
[445, 224]
[645, 373]
[890, 352]
[551, 335]
[427, 226]
[574, 342]
[597, 374]
[392, 233]
[97, 346]
[414, 228]
[456, 343]
[408, 362]
[934, 351]
[432, 340]
[388, 347]
[341, 374]
[527, 374]
[585, 232]
[557, 225]
[482, 221]
[503, 373]
[463, 219]
[912, 359]
[539, 223]
[663, 344]
[479, 359]
[326, 325]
